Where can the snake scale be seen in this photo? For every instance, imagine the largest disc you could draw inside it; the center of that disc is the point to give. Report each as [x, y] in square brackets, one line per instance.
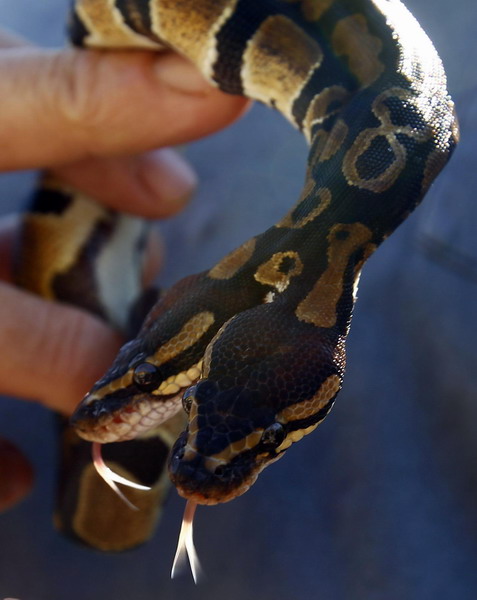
[253, 349]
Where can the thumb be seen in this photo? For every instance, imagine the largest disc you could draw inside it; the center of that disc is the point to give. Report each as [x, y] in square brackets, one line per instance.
[69, 105]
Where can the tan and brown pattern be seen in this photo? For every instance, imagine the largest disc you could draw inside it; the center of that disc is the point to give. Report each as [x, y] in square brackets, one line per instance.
[187, 24]
[334, 141]
[192, 331]
[45, 233]
[352, 38]
[389, 131]
[319, 108]
[106, 26]
[278, 61]
[232, 262]
[274, 271]
[319, 307]
[328, 390]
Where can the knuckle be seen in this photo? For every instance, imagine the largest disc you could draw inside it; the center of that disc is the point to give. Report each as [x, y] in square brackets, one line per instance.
[79, 93]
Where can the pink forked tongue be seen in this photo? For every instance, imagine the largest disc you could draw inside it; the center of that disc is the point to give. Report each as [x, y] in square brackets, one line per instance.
[185, 546]
[111, 478]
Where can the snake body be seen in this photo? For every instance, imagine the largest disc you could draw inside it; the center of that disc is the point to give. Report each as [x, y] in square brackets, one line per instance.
[254, 348]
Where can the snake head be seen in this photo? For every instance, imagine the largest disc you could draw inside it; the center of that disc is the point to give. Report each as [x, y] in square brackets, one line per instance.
[229, 440]
[134, 396]
[260, 394]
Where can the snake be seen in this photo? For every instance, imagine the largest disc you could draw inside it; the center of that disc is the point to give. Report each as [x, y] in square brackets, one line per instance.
[248, 356]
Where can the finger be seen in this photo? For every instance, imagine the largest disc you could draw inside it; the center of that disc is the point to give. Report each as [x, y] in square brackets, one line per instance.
[64, 106]
[154, 184]
[16, 475]
[52, 353]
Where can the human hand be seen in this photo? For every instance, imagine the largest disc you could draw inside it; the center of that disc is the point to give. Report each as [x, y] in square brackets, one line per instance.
[93, 119]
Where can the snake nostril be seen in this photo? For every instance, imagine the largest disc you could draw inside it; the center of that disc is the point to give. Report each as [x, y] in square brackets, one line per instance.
[220, 472]
[97, 410]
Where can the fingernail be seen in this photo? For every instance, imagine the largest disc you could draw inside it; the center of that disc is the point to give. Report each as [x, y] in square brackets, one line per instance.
[180, 74]
[168, 178]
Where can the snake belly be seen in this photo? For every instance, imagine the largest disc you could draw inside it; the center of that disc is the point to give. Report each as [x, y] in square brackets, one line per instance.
[254, 348]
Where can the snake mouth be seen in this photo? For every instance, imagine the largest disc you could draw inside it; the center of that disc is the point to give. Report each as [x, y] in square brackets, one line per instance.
[116, 421]
[207, 481]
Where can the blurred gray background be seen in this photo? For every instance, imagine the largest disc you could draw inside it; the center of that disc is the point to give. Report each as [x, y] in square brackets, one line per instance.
[380, 502]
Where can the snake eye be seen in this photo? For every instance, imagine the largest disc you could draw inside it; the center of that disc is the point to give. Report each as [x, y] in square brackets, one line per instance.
[146, 376]
[272, 436]
[187, 398]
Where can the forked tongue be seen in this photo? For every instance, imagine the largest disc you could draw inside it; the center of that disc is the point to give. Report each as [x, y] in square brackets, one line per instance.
[111, 478]
[185, 546]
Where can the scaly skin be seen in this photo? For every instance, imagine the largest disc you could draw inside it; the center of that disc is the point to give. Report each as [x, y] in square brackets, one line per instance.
[266, 327]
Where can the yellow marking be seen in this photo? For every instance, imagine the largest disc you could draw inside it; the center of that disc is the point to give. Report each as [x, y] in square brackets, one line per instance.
[171, 388]
[302, 410]
[176, 345]
[183, 381]
[171, 385]
[388, 130]
[334, 141]
[318, 110]
[190, 26]
[106, 26]
[235, 260]
[296, 436]
[190, 333]
[111, 387]
[313, 9]
[194, 372]
[322, 199]
[277, 63]
[351, 38]
[208, 351]
[232, 450]
[269, 272]
[167, 383]
[319, 306]
[53, 248]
